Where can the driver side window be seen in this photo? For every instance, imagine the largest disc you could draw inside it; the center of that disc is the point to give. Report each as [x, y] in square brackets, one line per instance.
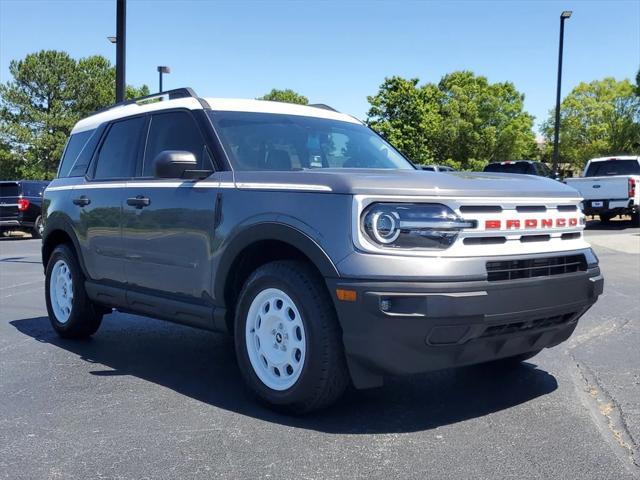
[174, 131]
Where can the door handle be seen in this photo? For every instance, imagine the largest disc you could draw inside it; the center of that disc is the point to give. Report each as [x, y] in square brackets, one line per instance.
[81, 201]
[139, 201]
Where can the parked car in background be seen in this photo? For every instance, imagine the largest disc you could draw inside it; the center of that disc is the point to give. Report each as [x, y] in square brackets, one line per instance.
[526, 167]
[21, 206]
[610, 186]
[437, 168]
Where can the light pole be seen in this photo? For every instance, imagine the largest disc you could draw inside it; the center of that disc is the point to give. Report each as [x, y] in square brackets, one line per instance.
[161, 70]
[556, 133]
[121, 43]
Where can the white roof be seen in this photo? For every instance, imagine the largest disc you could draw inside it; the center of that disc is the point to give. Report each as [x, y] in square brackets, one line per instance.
[224, 104]
[615, 157]
[264, 106]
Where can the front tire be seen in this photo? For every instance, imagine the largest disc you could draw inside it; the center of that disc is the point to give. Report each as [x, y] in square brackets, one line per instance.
[288, 340]
[71, 313]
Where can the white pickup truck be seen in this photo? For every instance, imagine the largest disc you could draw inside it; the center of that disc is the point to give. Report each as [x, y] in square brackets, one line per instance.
[610, 186]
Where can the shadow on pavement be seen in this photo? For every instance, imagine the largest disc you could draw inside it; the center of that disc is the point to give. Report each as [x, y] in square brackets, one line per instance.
[613, 225]
[18, 260]
[202, 365]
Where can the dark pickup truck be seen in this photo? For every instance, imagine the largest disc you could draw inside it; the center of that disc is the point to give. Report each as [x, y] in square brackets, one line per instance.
[21, 206]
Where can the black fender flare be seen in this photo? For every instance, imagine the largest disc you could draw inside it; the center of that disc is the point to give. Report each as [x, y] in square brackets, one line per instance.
[270, 230]
[60, 223]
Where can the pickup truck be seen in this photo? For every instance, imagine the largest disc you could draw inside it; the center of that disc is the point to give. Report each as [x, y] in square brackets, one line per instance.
[610, 186]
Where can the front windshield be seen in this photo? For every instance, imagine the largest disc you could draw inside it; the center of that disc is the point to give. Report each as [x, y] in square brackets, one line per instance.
[269, 141]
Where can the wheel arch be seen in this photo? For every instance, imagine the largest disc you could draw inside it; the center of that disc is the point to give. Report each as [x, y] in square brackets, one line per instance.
[58, 231]
[259, 244]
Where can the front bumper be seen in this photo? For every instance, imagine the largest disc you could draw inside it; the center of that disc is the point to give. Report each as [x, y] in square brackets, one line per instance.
[402, 328]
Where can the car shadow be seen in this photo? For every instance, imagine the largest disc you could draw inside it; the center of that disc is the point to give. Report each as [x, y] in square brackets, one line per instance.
[202, 365]
[613, 225]
[18, 260]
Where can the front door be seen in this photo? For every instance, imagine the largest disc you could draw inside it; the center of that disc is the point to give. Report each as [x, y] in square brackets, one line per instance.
[168, 227]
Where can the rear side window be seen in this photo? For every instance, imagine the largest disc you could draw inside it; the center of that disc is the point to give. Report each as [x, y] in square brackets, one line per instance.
[9, 189]
[33, 189]
[613, 167]
[76, 143]
[119, 151]
[174, 131]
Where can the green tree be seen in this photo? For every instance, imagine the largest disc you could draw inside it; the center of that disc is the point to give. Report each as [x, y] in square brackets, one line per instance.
[48, 94]
[482, 121]
[463, 121]
[407, 115]
[286, 96]
[596, 119]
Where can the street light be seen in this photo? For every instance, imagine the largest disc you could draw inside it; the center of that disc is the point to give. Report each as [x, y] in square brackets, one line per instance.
[112, 39]
[556, 133]
[161, 70]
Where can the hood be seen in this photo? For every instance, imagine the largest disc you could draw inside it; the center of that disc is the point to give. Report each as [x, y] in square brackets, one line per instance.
[406, 182]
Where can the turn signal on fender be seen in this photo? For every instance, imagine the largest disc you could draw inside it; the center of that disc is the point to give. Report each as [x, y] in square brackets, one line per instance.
[346, 295]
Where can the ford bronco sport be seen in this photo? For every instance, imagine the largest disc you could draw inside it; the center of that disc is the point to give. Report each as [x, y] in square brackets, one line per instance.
[325, 253]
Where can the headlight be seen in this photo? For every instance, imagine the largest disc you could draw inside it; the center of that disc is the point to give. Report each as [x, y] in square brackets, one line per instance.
[429, 226]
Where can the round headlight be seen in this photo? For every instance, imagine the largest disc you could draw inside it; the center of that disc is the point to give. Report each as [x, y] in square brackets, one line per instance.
[385, 226]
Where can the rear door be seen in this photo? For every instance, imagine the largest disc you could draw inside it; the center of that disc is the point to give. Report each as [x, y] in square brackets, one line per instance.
[169, 241]
[9, 193]
[100, 199]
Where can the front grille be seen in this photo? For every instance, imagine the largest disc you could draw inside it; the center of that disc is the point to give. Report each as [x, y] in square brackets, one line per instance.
[535, 267]
[538, 323]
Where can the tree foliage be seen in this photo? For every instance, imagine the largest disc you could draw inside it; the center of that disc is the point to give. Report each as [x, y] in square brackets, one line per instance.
[49, 93]
[597, 119]
[463, 121]
[286, 96]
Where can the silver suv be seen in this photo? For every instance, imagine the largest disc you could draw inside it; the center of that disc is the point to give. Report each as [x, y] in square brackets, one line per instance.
[325, 253]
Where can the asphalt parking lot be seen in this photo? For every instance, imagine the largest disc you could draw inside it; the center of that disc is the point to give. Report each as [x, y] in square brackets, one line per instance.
[149, 399]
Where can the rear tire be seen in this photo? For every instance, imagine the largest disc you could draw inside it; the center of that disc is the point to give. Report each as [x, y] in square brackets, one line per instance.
[288, 340]
[71, 313]
[38, 228]
[635, 219]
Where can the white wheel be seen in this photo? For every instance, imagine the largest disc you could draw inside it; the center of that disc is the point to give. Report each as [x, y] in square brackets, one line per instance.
[275, 339]
[61, 291]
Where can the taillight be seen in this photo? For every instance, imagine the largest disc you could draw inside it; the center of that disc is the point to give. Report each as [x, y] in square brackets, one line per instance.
[632, 187]
[23, 204]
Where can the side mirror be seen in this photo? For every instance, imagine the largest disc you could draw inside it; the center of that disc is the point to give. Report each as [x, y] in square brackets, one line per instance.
[173, 163]
[177, 164]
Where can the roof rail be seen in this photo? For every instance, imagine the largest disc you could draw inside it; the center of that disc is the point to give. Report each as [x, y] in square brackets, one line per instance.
[160, 96]
[322, 106]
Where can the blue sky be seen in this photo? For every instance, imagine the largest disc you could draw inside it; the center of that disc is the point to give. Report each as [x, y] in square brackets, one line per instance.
[336, 52]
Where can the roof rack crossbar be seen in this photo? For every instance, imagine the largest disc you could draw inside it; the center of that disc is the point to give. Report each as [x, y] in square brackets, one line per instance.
[168, 94]
[322, 106]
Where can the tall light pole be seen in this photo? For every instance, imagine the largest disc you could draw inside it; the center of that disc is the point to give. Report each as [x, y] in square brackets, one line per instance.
[556, 133]
[121, 43]
[161, 70]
